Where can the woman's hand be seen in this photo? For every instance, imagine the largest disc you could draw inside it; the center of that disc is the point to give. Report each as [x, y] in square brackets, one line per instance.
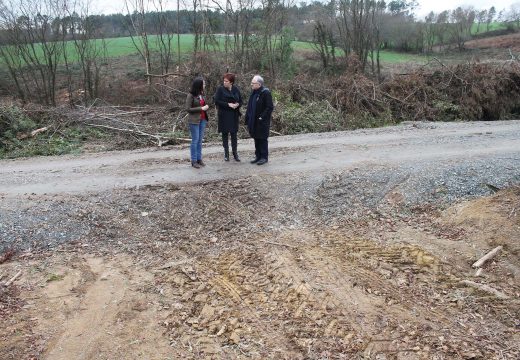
[205, 107]
[233, 105]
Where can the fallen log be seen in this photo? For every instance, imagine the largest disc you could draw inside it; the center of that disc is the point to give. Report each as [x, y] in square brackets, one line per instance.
[279, 244]
[32, 133]
[10, 281]
[487, 257]
[485, 288]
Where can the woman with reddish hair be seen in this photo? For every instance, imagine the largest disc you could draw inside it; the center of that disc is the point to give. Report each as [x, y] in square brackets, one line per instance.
[228, 101]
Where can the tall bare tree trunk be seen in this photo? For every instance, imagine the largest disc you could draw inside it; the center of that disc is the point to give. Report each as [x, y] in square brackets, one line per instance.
[137, 11]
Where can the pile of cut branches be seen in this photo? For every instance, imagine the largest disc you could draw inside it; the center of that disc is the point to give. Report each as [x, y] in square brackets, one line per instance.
[144, 123]
[463, 92]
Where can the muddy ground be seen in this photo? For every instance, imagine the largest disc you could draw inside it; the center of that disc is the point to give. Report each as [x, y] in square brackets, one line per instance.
[365, 258]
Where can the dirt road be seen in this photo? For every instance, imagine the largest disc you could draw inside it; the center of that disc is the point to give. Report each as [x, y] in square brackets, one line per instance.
[407, 143]
[352, 245]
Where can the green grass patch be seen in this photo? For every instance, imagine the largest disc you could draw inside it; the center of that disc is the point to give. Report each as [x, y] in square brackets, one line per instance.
[66, 141]
[390, 57]
[123, 46]
[393, 57]
[55, 277]
[483, 28]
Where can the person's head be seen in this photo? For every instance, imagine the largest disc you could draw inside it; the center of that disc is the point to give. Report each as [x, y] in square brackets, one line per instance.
[229, 77]
[257, 82]
[228, 80]
[197, 86]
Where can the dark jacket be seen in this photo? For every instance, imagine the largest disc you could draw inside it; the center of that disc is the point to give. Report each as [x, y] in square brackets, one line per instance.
[194, 109]
[261, 122]
[227, 117]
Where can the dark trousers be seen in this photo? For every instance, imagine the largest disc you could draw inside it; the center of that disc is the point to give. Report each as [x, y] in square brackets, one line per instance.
[261, 149]
[234, 143]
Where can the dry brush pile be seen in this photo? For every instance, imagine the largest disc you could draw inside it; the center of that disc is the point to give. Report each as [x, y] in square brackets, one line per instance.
[306, 103]
[468, 92]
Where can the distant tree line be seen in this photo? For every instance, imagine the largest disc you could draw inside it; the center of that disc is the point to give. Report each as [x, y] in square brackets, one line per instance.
[119, 25]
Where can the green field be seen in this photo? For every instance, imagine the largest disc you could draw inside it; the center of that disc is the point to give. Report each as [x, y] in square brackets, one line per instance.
[492, 27]
[123, 46]
[391, 57]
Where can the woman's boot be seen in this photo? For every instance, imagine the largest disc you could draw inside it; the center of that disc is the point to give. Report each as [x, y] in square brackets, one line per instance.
[225, 144]
[234, 146]
[226, 154]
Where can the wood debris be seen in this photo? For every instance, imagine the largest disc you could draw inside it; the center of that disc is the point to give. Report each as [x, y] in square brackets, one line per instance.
[490, 255]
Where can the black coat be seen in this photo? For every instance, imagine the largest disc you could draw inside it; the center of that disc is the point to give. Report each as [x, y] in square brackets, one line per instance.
[262, 117]
[227, 117]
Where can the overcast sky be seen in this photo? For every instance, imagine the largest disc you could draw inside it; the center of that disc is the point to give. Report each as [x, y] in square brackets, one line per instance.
[440, 5]
[425, 6]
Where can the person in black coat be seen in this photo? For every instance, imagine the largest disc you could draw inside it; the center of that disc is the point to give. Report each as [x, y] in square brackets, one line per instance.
[258, 118]
[228, 101]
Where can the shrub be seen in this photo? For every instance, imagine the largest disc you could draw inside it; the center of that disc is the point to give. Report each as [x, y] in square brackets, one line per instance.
[464, 92]
[292, 117]
[13, 122]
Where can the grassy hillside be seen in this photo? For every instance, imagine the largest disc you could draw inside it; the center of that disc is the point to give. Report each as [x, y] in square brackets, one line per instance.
[492, 27]
[124, 46]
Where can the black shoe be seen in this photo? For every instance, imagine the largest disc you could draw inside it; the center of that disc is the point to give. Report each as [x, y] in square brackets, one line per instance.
[254, 161]
[261, 162]
[236, 157]
[201, 163]
[226, 157]
[195, 164]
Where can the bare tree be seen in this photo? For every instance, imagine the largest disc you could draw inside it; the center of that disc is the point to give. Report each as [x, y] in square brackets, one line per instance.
[441, 26]
[323, 34]
[462, 20]
[490, 17]
[513, 15]
[178, 32]
[164, 39]
[429, 31]
[377, 40]
[324, 44]
[275, 37]
[481, 17]
[201, 27]
[31, 50]
[90, 49]
[137, 10]
[356, 27]
[238, 32]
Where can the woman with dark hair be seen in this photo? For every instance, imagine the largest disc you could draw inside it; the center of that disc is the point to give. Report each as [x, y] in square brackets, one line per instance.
[228, 102]
[197, 118]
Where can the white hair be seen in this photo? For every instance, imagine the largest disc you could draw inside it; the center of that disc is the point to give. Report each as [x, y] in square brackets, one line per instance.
[258, 79]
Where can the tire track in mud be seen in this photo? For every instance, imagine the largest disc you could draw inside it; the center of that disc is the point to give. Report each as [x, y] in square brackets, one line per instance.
[409, 308]
[330, 293]
[278, 291]
[93, 312]
[80, 334]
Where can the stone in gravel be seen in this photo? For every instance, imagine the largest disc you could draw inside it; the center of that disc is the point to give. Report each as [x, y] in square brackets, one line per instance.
[207, 312]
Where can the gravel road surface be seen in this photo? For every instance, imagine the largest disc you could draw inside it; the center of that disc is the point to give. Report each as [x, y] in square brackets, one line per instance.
[492, 148]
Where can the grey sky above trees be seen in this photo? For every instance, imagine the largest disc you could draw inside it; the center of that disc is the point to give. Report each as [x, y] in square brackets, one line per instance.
[425, 6]
[439, 5]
